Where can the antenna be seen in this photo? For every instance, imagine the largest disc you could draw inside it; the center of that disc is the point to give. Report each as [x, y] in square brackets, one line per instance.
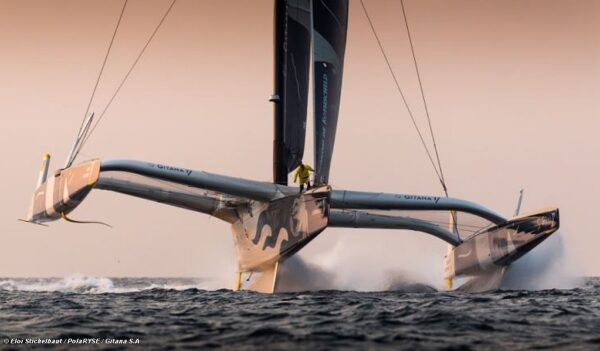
[518, 209]
[43, 171]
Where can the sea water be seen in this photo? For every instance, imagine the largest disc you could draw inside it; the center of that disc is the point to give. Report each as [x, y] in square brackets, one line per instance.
[148, 313]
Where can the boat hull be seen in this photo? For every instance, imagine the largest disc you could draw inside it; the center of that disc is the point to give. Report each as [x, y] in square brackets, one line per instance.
[502, 244]
[63, 192]
[268, 232]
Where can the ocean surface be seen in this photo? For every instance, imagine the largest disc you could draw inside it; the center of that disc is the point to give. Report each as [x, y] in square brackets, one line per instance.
[101, 313]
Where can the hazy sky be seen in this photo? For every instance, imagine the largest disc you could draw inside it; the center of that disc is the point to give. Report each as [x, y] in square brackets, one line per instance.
[512, 86]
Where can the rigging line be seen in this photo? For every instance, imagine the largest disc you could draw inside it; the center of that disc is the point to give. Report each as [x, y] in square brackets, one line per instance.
[435, 148]
[126, 76]
[401, 93]
[112, 40]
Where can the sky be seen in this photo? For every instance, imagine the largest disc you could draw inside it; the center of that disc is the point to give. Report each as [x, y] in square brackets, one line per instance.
[512, 89]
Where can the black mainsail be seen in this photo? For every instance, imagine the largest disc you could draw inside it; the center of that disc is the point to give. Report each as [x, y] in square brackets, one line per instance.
[330, 24]
[292, 65]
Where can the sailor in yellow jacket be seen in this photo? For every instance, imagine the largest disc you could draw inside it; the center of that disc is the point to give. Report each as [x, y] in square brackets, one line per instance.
[303, 172]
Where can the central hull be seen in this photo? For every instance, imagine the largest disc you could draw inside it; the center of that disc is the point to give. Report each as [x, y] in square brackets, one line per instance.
[268, 232]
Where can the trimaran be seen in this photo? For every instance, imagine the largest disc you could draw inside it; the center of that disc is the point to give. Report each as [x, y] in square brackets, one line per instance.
[272, 221]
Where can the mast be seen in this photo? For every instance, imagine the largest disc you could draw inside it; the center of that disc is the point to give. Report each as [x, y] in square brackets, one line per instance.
[279, 166]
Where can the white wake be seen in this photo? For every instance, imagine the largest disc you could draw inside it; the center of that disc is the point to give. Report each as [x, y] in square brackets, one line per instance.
[82, 284]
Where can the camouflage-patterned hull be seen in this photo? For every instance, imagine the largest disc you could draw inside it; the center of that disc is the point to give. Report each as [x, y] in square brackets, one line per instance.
[268, 232]
[501, 245]
[63, 192]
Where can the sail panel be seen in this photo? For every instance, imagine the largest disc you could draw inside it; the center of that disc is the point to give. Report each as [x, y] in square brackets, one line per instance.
[297, 66]
[330, 24]
[292, 65]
